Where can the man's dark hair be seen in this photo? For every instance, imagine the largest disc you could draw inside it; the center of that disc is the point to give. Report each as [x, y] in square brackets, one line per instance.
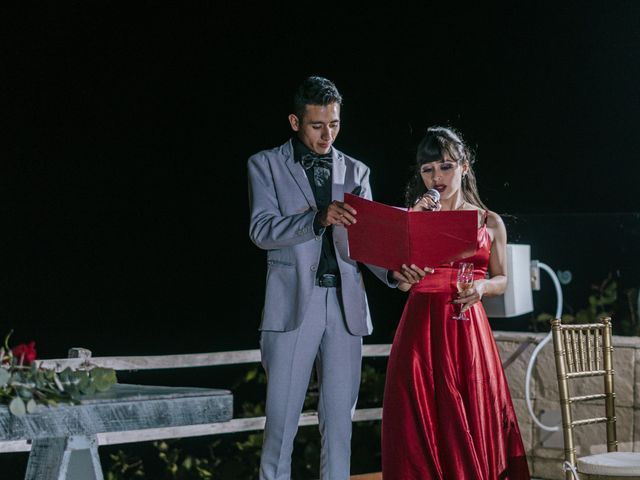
[315, 90]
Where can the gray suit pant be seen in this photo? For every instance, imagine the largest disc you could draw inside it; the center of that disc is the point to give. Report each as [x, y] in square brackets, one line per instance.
[288, 358]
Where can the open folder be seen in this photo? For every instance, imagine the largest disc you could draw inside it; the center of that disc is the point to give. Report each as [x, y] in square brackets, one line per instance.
[389, 236]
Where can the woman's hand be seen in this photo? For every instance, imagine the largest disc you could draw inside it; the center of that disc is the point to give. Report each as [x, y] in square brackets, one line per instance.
[469, 297]
[426, 204]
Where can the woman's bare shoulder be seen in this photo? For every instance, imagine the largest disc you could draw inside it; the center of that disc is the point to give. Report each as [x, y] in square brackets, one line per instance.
[494, 220]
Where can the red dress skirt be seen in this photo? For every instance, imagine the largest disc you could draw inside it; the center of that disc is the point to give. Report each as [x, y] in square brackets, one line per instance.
[447, 411]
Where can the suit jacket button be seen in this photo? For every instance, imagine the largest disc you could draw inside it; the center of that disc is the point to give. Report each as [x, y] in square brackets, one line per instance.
[314, 268]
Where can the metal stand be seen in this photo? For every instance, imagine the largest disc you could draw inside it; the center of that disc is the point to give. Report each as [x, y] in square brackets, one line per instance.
[66, 458]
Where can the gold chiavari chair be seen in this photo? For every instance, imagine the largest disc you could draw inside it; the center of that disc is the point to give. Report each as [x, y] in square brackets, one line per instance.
[585, 350]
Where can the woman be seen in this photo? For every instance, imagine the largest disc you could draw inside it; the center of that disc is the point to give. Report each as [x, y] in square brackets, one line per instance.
[447, 411]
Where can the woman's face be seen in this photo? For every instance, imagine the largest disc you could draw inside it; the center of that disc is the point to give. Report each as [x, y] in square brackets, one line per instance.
[444, 175]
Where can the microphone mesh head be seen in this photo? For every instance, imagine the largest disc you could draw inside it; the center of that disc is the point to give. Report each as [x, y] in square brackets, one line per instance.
[434, 194]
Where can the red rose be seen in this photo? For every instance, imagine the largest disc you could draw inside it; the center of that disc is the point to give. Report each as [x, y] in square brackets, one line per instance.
[28, 350]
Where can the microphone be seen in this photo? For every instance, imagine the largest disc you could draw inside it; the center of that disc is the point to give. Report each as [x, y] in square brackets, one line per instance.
[434, 194]
[431, 193]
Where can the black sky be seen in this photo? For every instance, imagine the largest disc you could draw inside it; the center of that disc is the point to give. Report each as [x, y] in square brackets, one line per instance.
[128, 127]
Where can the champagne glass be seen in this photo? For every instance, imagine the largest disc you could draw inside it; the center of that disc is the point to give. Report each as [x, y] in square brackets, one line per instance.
[464, 281]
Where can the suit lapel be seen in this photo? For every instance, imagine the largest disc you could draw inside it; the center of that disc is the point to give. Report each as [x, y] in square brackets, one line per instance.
[338, 174]
[297, 171]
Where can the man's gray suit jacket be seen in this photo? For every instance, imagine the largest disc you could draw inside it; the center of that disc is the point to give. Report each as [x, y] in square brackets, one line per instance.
[282, 213]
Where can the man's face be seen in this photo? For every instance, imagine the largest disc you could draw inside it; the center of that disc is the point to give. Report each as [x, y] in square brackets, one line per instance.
[318, 127]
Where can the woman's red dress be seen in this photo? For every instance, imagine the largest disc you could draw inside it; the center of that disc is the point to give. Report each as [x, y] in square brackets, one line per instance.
[447, 411]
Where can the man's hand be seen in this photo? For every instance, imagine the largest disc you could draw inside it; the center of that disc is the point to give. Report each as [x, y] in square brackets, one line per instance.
[338, 213]
[409, 276]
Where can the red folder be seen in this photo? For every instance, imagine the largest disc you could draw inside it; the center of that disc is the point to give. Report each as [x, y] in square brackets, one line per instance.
[388, 236]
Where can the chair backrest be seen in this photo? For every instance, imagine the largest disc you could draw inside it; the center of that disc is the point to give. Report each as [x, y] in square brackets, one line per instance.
[584, 350]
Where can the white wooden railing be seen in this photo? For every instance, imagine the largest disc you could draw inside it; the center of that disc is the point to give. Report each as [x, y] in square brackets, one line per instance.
[158, 362]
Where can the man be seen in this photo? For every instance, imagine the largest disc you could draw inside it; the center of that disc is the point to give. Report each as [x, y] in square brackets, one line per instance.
[315, 308]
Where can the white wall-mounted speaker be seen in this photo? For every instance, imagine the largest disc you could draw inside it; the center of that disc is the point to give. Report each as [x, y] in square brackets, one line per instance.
[517, 299]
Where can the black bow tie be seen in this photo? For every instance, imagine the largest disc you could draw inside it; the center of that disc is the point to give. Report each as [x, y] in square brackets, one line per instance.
[314, 160]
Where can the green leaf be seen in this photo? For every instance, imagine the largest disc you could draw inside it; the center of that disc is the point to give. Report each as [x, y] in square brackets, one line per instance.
[84, 382]
[103, 378]
[17, 406]
[89, 390]
[4, 376]
[251, 374]
[162, 446]
[545, 317]
[6, 343]
[65, 376]
[31, 406]
[25, 393]
[75, 394]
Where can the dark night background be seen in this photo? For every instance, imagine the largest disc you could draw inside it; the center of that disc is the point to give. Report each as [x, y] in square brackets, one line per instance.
[123, 191]
[124, 197]
[127, 129]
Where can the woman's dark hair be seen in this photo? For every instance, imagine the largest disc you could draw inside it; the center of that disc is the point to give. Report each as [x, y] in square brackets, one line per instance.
[315, 90]
[436, 143]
